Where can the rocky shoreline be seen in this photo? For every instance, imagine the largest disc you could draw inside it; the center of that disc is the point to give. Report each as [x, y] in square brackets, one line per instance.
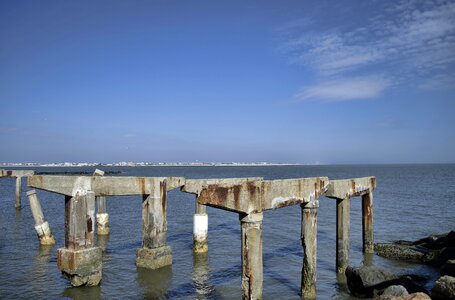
[435, 250]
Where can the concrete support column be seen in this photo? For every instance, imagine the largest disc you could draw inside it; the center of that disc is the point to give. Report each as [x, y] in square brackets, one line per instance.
[80, 261]
[102, 217]
[18, 191]
[309, 244]
[200, 229]
[252, 269]
[343, 223]
[367, 223]
[154, 253]
[41, 225]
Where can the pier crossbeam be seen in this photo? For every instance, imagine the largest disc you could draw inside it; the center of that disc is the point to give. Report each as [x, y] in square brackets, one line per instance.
[18, 174]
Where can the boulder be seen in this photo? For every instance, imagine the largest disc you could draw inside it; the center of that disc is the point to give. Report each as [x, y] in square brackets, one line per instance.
[361, 281]
[395, 290]
[444, 288]
[414, 296]
[369, 281]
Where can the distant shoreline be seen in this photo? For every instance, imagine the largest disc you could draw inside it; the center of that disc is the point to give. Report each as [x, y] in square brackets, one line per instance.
[76, 165]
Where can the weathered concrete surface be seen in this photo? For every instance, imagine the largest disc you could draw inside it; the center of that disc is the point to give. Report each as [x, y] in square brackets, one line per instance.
[41, 225]
[250, 195]
[101, 185]
[342, 234]
[154, 258]
[102, 217]
[200, 229]
[252, 269]
[16, 173]
[340, 189]
[234, 194]
[154, 252]
[286, 192]
[367, 223]
[309, 244]
[80, 261]
[81, 267]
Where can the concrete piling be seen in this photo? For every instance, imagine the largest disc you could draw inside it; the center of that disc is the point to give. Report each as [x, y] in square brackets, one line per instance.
[309, 244]
[367, 223]
[18, 191]
[102, 217]
[200, 229]
[252, 272]
[41, 225]
[80, 261]
[342, 234]
[154, 253]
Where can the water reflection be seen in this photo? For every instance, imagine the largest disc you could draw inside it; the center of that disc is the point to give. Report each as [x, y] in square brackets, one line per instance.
[155, 283]
[83, 292]
[102, 241]
[201, 279]
[42, 259]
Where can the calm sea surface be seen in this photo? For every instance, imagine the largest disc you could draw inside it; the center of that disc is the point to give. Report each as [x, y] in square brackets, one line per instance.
[411, 201]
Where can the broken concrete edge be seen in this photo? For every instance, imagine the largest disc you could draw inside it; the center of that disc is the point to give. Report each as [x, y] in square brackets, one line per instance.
[344, 188]
[16, 173]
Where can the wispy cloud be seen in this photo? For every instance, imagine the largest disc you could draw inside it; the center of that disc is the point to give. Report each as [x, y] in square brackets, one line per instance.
[411, 42]
[344, 89]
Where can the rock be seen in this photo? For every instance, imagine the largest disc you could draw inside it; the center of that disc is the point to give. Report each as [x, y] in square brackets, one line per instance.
[414, 296]
[444, 288]
[448, 268]
[361, 281]
[443, 256]
[401, 251]
[395, 290]
[438, 242]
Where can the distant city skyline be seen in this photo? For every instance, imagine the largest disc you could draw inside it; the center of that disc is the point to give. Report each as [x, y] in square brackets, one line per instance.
[304, 82]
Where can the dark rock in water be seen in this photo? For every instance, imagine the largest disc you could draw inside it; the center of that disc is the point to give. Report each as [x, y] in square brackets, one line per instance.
[443, 256]
[448, 268]
[361, 281]
[444, 288]
[370, 281]
[435, 250]
[401, 251]
[438, 242]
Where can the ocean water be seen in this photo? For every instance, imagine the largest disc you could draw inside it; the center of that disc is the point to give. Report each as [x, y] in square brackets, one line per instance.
[411, 201]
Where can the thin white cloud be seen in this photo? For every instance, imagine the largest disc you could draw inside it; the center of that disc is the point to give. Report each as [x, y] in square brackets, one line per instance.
[357, 88]
[410, 42]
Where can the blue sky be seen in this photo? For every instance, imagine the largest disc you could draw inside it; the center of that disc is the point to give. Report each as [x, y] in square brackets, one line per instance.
[250, 81]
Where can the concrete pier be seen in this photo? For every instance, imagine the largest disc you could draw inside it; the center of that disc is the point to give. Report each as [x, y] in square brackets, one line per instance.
[343, 190]
[342, 234]
[200, 229]
[41, 225]
[252, 272]
[309, 244]
[18, 174]
[154, 253]
[80, 260]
